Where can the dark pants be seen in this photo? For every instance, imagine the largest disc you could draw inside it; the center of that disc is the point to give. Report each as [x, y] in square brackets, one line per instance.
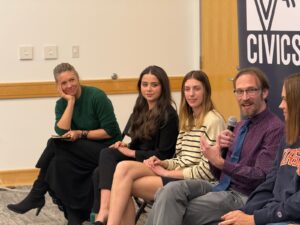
[104, 173]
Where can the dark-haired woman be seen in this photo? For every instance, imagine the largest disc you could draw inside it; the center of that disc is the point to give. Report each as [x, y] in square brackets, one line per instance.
[153, 131]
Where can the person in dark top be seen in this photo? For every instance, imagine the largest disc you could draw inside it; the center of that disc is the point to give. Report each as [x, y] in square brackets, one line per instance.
[246, 165]
[277, 200]
[153, 128]
[86, 122]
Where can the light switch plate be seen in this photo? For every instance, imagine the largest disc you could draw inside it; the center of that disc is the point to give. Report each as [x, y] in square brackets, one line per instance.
[25, 52]
[50, 52]
[75, 51]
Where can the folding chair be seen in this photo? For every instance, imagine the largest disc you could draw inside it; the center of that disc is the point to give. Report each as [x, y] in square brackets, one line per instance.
[142, 204]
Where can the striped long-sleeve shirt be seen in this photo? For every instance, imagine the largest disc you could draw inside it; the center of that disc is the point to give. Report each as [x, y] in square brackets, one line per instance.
[189, 157]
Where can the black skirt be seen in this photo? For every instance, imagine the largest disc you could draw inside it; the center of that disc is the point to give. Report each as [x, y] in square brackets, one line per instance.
[69, 168]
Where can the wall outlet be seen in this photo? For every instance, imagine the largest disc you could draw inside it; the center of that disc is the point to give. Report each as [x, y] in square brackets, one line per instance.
[50, 52]
[25, 52]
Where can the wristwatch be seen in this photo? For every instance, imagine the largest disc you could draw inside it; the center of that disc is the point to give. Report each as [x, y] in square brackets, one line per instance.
[84, 134]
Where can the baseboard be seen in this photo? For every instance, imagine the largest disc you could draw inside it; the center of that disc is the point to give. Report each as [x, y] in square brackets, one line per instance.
[12, 178]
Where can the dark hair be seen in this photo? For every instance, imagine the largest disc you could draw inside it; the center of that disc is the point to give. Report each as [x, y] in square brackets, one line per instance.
[63, 67]
[186, 117]
[146, 122]
[264, 83]
[292, 124]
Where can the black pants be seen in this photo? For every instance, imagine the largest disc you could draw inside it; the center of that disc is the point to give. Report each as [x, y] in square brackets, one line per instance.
[104, 173]
[109, 158]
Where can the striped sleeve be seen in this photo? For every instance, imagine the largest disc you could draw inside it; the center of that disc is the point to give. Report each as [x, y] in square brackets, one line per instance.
[214, 124]
[187, 150]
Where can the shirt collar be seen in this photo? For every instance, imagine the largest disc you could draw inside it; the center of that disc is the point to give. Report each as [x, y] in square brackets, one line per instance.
[259, 117]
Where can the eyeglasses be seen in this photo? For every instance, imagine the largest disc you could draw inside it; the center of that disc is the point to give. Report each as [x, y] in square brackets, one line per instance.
[249, 92]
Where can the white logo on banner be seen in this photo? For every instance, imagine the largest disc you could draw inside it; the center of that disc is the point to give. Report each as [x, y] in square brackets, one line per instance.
[275, 38]
[275, 15]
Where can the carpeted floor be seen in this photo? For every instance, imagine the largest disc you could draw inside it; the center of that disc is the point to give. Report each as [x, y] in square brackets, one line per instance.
[50, 214]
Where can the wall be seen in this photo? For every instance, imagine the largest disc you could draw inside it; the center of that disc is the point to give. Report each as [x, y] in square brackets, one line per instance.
[120, 36]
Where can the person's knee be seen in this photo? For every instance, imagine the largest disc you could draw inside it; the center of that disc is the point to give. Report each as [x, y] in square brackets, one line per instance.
[51, 145]
[106, 154]
[50, 141]
[105, 151]
[123, 170]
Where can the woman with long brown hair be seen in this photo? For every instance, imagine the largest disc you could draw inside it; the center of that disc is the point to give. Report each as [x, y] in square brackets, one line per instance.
[153, 128]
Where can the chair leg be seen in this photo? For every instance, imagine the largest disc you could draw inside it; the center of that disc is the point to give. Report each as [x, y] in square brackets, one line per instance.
[140, 211]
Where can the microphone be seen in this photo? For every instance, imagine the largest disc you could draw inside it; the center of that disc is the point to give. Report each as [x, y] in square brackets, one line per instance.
[230, 126]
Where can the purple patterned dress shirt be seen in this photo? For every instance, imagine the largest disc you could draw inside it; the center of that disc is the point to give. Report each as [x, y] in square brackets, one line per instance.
[258, 153]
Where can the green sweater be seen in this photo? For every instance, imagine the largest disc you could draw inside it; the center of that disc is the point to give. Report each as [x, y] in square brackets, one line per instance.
[92, 110]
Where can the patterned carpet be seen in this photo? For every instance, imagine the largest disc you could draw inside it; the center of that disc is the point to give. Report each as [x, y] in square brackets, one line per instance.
[50, 214]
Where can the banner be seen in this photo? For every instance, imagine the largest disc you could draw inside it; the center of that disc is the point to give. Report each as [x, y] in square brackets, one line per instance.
[269, 38]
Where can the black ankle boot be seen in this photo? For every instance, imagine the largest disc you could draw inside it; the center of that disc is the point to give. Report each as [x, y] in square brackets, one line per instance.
[34, 200]
[27, 204]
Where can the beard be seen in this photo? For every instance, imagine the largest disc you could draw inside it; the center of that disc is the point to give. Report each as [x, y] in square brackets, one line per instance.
[248, 109]
[252, 106]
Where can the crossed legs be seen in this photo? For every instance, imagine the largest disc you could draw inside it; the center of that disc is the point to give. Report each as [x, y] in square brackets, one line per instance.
[130, 178]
